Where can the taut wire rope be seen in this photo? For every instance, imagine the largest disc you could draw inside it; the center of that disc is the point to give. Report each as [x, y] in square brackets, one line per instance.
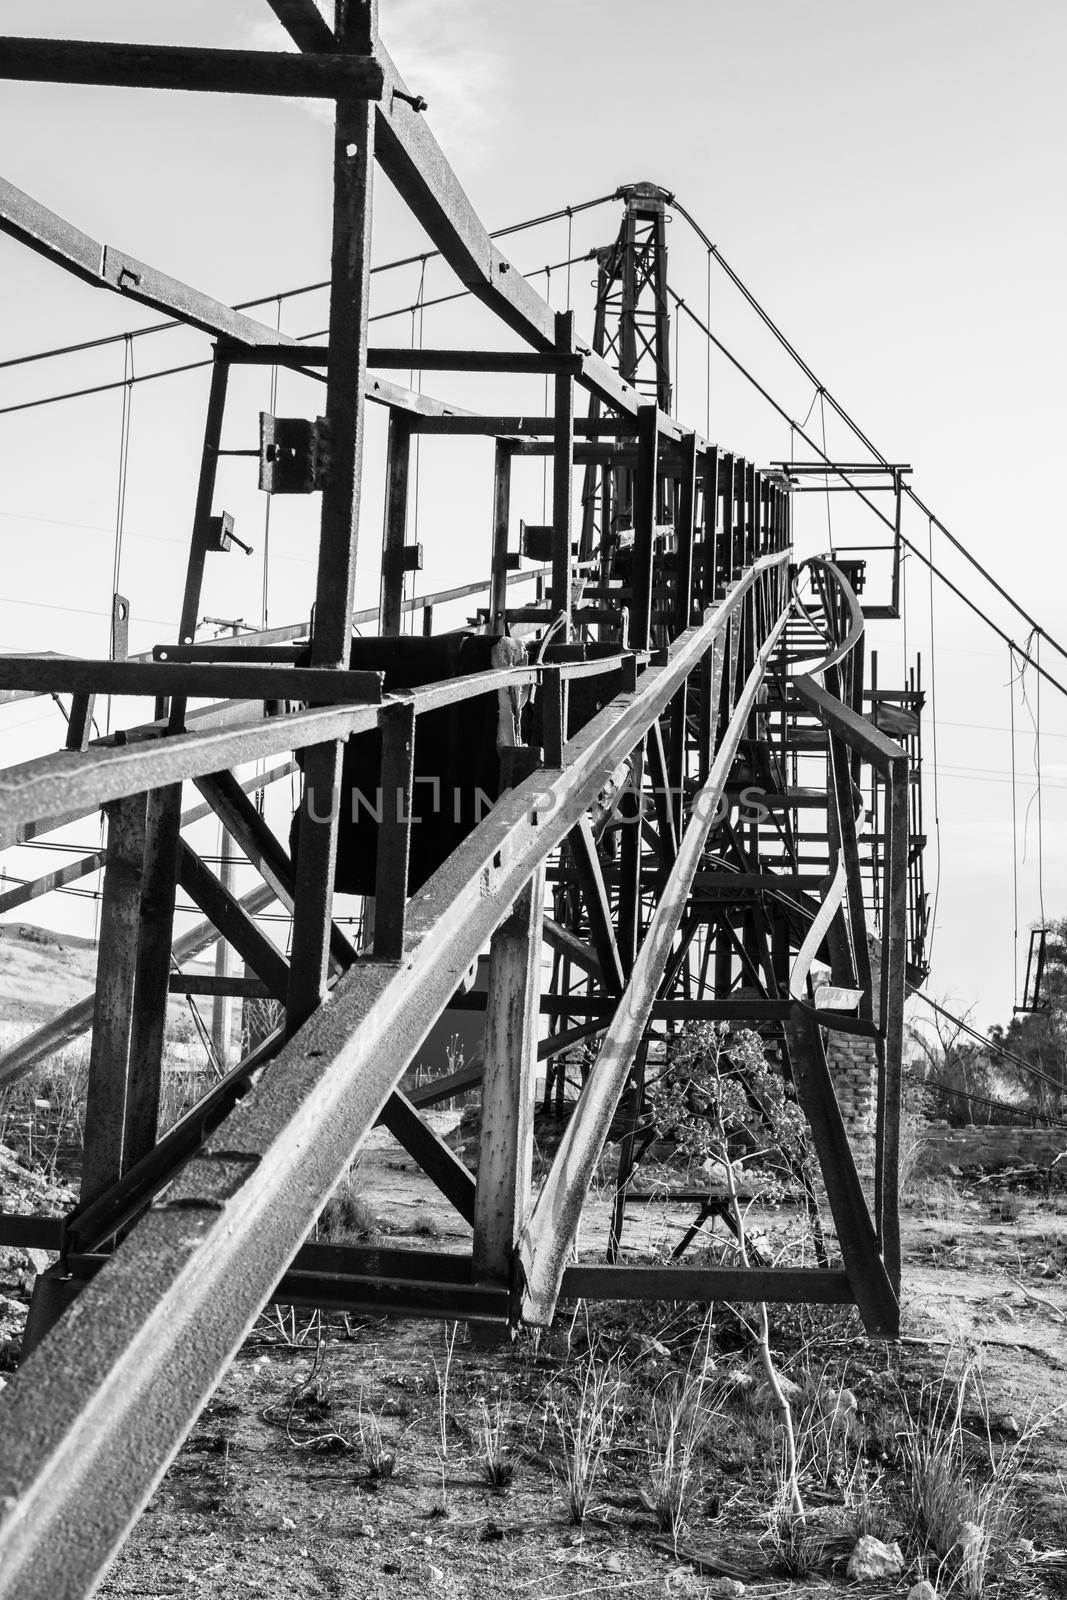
[936, 788]
[272, 406]
[418, 309]
[1014, 834]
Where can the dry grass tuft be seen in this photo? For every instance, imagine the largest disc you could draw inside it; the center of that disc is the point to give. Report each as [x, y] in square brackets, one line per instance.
[586, 1424]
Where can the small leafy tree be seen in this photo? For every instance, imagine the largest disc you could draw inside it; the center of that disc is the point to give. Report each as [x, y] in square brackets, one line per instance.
[1040, 1037]
[724, 1104]
[722, 1101]
[947, 1058]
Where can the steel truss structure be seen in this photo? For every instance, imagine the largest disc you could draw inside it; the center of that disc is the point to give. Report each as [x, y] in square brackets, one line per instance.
[683, 662]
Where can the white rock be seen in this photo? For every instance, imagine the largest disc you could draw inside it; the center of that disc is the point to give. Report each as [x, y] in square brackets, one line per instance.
[873, 1559]
[791, 1392]
[923, 1590]
[972, 1540]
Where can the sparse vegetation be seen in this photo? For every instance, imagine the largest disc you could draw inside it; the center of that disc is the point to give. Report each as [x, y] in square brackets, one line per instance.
[497, 1462]
[648, 1436]
[585, 1421]
[959, 1485]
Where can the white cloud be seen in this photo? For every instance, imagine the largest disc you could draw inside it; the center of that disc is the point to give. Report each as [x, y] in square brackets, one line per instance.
[441, 52]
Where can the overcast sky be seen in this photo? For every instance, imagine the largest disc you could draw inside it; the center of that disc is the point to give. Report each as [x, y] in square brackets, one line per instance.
[887, 180]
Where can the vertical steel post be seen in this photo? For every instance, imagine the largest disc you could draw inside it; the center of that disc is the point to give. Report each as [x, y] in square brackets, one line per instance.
[644, 525]
[154, 941]
[209, 462]
[397, 472]
[109, 1055]
[509, 1084]
[685, 534]
[330, 642]
[498, 592]
[563, 476]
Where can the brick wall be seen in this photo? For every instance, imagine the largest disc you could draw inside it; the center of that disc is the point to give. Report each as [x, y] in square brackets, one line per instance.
[854, 1069]
[990, 1147]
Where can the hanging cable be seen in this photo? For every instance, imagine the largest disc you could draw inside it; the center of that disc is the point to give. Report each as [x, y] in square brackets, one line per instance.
[544, 463]
[420, 304]
[120, 488]
[306, 372]
[826, 476]
[933, 727]
[675, 405]
[272, 406]
[850, 422]
[120, 503]
[570, 249]
[1014, 837]
[1035, 796]
[707, 366]
[290, 294]
[989, 1044]
[1040, 798]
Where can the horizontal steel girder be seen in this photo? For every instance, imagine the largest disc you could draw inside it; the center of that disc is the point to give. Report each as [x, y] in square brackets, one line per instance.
[164, 66]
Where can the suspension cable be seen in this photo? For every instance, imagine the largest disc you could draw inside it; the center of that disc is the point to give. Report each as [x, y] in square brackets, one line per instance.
[193, 366]
[937, 764]
[272, 406]
[850, 422]
[1014, 834]
[1040, 797]
[291, 294]
[989, 1044]
[420, 299]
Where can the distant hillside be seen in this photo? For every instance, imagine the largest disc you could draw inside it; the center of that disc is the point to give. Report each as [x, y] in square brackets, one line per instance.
[41, 972]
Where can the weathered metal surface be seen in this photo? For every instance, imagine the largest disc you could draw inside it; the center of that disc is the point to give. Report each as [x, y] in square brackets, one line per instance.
[91, 1421]
[109, 1057]
[164, 66]
[510, 1063]
[547, 1240]
[192, 679]
[810, 1285]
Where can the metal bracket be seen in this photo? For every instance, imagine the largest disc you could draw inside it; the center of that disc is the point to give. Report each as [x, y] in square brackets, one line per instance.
[536, 541]
[220, 534]
[294, 456]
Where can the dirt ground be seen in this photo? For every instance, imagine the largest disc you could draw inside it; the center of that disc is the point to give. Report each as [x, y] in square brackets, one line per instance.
[350, 1461]
[276, 1493]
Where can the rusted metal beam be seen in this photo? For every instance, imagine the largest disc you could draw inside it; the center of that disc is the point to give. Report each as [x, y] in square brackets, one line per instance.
[161, 1320]
[64, 786]
[597, 904]
[72, 1023]
[353, 189]
[548, 1238]
[439, 1162]
[306, 23]
[165, 66]
[202, 680]
[102, 265]
[509, 1050]
[871, 1286]
[109, 1057]
[397, 471]
[788, 1285]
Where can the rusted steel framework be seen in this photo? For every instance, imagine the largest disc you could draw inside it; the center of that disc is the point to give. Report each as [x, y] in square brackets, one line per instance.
[679, 662]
